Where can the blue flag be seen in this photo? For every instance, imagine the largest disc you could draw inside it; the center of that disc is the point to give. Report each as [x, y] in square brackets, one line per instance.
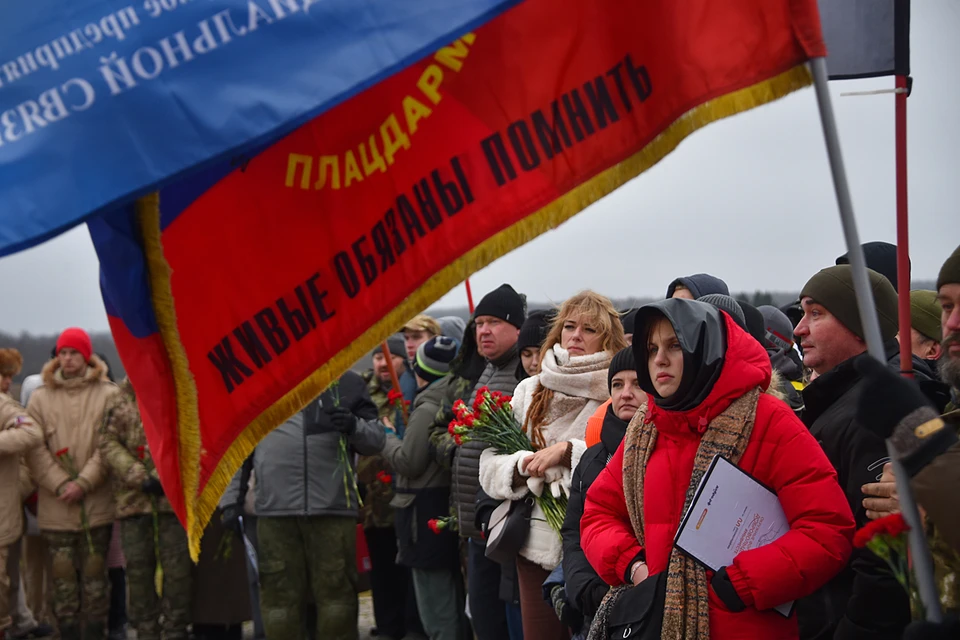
[103, 101]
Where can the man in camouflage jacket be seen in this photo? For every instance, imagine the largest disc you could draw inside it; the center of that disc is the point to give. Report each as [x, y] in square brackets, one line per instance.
[151, 533]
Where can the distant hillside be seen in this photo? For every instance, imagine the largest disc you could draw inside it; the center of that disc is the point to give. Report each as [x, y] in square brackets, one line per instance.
[36, 350]
[757, 298]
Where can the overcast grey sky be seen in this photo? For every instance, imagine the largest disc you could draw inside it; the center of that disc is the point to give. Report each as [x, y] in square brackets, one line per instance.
[748, 199]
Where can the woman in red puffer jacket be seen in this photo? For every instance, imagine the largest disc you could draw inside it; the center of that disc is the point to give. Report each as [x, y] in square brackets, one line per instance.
[703, 372]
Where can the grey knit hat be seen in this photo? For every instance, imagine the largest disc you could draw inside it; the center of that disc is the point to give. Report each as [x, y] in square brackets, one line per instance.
[779, 329]
[728, 304]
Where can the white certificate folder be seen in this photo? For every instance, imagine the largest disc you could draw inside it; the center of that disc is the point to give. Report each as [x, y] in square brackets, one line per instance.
[731, 512]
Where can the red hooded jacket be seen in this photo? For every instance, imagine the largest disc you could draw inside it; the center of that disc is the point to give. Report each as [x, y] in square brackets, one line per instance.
[781, 454]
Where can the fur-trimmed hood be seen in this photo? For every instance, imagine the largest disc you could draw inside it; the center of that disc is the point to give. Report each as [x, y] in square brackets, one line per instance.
[53, 378]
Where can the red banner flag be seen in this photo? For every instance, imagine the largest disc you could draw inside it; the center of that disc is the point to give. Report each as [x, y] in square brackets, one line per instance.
[292, 265]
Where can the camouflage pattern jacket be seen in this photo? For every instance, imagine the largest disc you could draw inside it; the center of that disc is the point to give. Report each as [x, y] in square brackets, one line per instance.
[376, 511]
[123, 447]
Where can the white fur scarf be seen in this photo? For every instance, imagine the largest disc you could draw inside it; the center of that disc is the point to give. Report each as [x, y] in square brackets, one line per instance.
[579, 385]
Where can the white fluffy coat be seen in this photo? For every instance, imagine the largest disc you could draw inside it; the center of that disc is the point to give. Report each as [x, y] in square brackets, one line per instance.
[579, 377]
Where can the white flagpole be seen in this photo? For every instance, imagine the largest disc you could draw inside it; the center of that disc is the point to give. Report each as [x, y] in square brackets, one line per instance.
[861, 283]
[920, 553]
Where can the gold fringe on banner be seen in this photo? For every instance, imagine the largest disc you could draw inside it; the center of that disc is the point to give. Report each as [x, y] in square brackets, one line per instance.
[550, 216]
[188, 414]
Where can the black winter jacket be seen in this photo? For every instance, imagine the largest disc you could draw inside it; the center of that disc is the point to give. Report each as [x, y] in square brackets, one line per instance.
[864, 600]
[585, 589]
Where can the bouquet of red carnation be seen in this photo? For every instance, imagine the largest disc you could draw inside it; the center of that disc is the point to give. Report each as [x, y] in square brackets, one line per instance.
[491, 420]
[887, 537]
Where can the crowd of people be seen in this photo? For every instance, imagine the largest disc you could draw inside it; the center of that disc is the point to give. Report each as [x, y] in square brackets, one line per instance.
[369, 486]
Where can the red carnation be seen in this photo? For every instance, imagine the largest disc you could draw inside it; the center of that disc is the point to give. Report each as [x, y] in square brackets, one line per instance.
[142, 451]
[63, 452]
[384, 477]
[393, 395]
[434, 525]
[892, 525]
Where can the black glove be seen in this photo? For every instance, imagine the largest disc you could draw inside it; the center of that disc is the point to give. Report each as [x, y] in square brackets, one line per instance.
[316, 420]
[230, 519]
[725, 591]
[343, 420]
[152, 487]
[895, 408]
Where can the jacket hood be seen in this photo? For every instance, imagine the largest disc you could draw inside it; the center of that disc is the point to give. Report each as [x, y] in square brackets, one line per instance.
[96, 372]
[786, 364]
[699, 329]
[700, 284]
[728, 362]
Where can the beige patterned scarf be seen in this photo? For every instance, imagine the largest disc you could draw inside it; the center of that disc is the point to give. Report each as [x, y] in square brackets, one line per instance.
[686, 612]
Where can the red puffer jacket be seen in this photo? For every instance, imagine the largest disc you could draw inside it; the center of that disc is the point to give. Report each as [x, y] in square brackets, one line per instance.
[781, 454]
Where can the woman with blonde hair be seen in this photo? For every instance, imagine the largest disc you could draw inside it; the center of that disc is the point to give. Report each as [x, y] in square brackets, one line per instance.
[553, 407]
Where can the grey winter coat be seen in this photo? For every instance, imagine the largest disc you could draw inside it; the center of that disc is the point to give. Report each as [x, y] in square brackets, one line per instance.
[298, 473]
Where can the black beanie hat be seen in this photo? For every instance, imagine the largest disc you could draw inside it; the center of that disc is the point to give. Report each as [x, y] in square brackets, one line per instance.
[833, 288]
[628, 320]
[504, 303]
[535, 328]
[622, 361]
[950, 271]
[881, 257]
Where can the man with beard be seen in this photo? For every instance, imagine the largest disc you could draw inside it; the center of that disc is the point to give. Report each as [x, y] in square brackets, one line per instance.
[948, 293]
[926, 445]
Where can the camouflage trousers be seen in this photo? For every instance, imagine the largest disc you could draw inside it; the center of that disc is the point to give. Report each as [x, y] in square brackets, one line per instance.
[308, 558]
[145, 606]
[80, 597]
[5, 619]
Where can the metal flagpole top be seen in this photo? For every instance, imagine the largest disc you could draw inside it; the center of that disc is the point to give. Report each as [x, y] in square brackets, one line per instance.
[861, 283]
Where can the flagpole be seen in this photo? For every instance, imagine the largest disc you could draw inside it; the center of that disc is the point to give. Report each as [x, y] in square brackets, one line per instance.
[903, 227]
[920, 560]
[469, 295]
[861, 282]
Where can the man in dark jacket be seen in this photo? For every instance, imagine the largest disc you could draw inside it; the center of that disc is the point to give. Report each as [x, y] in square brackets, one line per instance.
[584, 588]
[306, 505]
[864, 600]
[498, 319]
